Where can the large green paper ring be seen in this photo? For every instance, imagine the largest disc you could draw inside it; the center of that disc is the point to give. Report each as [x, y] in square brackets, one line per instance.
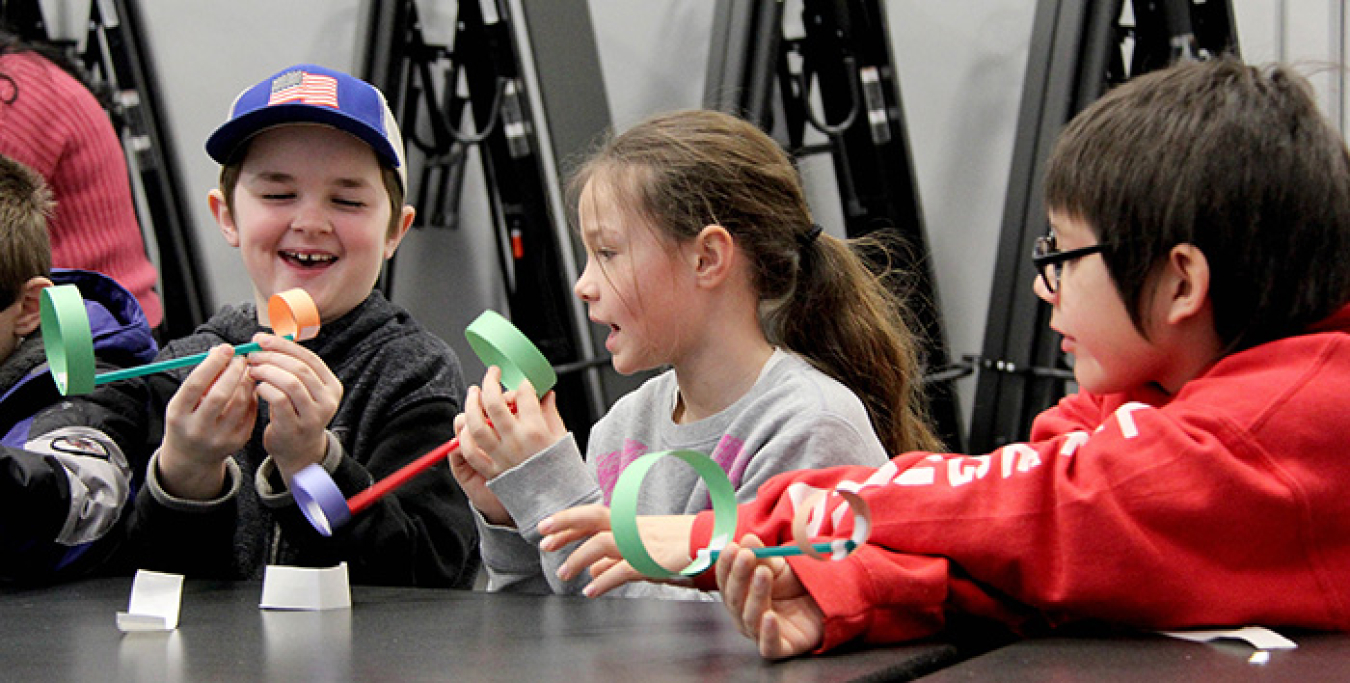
[498, 342]
[623, 520]
[67, 339]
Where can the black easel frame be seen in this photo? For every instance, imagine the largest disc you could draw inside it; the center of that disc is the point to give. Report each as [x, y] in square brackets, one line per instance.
[846, 53]
[1078, 50]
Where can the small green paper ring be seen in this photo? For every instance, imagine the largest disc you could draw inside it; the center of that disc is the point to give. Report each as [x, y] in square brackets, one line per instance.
[497, 342]
[623, 510]
[67, 339]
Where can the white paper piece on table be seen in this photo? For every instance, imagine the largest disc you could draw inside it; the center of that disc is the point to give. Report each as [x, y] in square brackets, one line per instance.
[1258, 637]
[155, 600]
[306, 588]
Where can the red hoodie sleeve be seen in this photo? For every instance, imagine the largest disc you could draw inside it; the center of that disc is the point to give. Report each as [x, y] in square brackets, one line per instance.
[1142, 516]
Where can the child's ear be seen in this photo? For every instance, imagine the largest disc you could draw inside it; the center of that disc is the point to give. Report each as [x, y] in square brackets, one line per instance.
[30, 315]
[405, 221]
[1185, 283]
[712, 252]
[221, 211]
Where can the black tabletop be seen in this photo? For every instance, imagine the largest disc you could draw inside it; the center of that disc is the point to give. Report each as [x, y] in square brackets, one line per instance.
[69, 633]
[1156, 659]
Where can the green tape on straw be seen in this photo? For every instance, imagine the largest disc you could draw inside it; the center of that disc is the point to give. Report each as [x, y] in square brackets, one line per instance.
[497, 342]
[623, 511]
[67, 340]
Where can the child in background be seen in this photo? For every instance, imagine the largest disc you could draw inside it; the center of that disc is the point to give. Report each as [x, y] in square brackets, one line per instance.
[311, 193]
[52, 122]
[1199, 270]
[701, 256]
[56, 498]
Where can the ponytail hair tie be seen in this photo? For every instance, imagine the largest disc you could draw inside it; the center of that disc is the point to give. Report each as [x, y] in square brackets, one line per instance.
[806, 239]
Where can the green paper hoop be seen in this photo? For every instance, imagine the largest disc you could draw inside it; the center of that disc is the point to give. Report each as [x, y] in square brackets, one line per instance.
[69, 345]
[67, 340]
[497, 342]
[623, 511]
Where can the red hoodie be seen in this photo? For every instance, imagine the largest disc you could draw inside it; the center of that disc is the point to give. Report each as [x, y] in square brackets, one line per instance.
[1226, 504]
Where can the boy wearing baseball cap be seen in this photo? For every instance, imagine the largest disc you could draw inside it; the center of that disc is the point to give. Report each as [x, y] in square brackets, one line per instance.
[311, 194]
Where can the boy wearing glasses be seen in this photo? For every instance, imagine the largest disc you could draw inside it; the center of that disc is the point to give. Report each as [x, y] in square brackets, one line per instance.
[1198, 267]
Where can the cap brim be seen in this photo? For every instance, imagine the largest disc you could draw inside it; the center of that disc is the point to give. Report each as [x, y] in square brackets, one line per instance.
[225, 142]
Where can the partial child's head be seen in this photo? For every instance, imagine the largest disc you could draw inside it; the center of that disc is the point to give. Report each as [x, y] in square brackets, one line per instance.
[25, 251]
[312, 184]
[1235, 160]
[678, 173]
[672, 176]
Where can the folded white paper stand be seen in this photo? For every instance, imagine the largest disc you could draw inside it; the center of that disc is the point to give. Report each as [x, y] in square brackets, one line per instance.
[155, 599]
[1259, 637]
[305, 588]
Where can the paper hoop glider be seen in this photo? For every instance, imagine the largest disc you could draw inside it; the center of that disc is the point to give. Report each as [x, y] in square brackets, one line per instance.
[69, 344]
[496, 342]
[623, 519]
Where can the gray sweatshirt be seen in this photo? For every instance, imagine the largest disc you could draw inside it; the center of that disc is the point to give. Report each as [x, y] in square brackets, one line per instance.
[794, 417]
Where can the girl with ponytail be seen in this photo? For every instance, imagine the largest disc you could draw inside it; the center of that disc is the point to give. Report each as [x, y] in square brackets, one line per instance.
[782, 350]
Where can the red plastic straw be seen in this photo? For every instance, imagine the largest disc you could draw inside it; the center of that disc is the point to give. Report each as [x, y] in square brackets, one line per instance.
[377, 490]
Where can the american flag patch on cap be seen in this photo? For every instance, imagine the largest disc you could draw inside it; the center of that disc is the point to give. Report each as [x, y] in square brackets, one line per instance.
[305, 88]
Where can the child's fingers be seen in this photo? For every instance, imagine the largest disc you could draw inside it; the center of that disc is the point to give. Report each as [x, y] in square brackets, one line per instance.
[758, 601]
[298, 373]
[274, 348]
[223, 393]
[203, 377]
[610, 575]
[549, 407]
[497, 404]
[735, 569]
[592, 550]
[771, 642]
[241, 403]
[478, 438]
[491, 389]
[572, 524]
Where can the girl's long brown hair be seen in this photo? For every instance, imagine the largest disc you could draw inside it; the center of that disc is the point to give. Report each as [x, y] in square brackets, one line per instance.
[818, 298]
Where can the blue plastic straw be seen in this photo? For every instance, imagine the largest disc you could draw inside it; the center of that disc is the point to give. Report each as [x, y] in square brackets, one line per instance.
[790, 550]
[170, 364]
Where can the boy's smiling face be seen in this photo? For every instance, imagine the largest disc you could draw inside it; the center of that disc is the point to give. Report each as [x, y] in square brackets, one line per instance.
[311, 211]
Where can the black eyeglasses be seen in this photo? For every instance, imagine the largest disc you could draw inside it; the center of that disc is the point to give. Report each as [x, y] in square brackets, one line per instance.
[1049, 260]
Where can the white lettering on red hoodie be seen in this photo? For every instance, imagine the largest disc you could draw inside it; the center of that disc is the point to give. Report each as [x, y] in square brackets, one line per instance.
[1226, 504]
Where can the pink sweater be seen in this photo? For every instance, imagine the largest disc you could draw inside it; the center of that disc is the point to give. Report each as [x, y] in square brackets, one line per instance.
[54, 125]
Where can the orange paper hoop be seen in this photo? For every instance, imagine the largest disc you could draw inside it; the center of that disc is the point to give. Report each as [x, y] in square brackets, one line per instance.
[293, 314]
[840, 548]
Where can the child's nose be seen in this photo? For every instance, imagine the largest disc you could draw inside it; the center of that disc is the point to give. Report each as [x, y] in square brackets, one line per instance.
[311, 218]
[584, 288]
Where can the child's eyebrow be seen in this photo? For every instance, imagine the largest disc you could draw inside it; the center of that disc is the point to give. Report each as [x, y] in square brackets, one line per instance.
[273, 176]
[351, 183]
[592, 234]
[346, 183]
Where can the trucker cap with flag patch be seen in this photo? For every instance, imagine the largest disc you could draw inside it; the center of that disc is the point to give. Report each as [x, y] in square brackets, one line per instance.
[306, 93]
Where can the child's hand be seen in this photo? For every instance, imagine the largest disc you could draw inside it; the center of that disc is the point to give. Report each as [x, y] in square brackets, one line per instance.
[473, 483]
[666, 538]
[302, 395]
[767, 602]
[210, 417]
[495, 439]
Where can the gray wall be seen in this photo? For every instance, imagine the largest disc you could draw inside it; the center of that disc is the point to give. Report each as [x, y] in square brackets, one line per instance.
[960, 63]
